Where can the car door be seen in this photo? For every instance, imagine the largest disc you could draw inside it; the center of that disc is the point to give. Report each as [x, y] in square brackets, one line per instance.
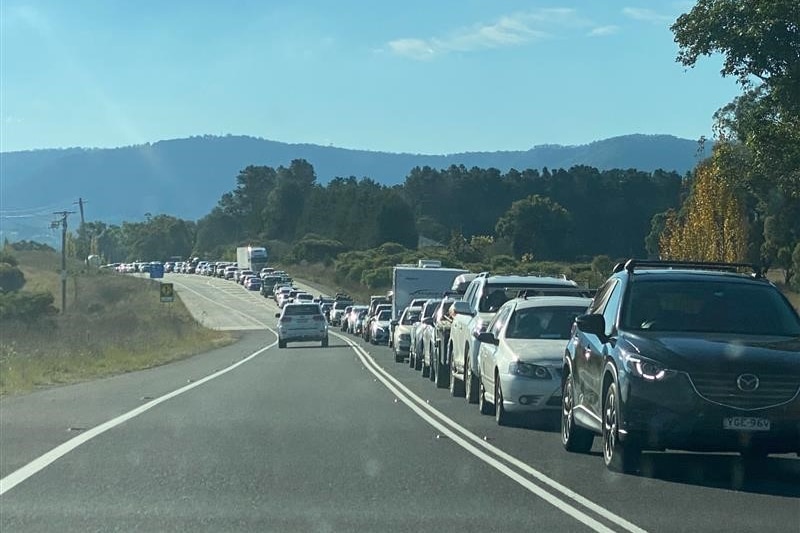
[597, 350]
[488, 354]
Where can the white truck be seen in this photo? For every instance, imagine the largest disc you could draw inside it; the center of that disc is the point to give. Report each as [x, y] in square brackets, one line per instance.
[251, 258]
[426, 279]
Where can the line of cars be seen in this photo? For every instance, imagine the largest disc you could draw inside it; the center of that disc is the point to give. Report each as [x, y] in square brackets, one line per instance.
[665, 355]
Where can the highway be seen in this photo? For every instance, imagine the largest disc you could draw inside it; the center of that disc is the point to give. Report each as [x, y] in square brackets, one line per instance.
[253, 438]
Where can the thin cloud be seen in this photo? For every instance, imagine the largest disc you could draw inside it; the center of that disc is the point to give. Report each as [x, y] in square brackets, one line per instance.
[603, 31]
[510, 30]
[646, 15]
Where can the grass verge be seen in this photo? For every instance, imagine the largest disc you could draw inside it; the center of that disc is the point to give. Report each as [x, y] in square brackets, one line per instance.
[113, 324]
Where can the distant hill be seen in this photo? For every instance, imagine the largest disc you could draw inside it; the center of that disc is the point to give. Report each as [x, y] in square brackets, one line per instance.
[186, 177]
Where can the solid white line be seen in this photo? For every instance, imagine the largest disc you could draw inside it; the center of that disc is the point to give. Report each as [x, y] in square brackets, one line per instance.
[557, 502]
[381, 373]
[20, 475]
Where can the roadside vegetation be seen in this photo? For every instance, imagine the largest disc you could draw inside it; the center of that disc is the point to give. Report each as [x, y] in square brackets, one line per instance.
[113, 324]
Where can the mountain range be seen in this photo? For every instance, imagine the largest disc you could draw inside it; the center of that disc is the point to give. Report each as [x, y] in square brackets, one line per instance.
[186, 177]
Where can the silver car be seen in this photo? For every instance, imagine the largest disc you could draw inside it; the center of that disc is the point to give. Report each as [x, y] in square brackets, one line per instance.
[521, 354]
[300, 322]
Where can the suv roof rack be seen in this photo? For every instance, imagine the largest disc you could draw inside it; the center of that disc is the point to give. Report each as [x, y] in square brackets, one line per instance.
[558, 291]
[632, 264]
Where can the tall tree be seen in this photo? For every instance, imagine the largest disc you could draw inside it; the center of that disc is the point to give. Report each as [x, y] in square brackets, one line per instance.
[536, 225]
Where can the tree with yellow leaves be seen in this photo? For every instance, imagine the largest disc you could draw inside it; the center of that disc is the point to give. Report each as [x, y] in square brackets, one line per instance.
[713, 225]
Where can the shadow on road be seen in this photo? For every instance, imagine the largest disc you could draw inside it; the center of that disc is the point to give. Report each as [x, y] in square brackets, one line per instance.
[776, 476]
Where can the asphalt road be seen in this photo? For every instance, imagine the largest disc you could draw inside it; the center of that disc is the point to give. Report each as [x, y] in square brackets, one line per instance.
[253, 438]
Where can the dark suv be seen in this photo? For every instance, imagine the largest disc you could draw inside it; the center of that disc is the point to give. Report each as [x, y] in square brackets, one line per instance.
[690, 356]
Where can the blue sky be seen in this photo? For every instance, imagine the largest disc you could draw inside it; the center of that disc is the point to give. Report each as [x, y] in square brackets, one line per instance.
[413, 76]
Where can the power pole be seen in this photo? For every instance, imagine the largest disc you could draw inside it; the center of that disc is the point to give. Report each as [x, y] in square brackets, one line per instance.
[80, 203]
[63, 224]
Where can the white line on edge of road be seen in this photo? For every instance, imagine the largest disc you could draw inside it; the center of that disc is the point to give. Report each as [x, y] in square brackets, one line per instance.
[417, 405]
[18, 476]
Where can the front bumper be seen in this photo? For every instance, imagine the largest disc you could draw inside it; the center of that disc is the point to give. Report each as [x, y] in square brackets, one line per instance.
[523, 394]
[673, 415]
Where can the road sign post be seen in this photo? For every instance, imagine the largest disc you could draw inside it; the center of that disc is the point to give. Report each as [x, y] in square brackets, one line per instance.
[167, 293]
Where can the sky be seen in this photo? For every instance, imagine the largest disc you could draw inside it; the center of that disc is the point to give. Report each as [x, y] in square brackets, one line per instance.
[416, 76]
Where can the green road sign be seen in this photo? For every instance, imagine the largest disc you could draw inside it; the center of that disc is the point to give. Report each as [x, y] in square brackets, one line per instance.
[167, 292]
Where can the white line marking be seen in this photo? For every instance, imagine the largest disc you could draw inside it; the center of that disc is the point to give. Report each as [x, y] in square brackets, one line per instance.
[20, 475]
[417, 404]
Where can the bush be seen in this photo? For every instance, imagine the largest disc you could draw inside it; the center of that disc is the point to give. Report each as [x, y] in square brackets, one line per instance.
[26, 305]
[11, 278]
[377, 278]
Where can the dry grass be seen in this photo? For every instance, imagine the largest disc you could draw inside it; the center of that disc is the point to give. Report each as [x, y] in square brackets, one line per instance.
[323, 276]
[113, 324]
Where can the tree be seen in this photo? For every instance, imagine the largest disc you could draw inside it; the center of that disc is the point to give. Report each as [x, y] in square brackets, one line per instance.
[11, 278]
[536, 225]
[714, 225]
[395, 222]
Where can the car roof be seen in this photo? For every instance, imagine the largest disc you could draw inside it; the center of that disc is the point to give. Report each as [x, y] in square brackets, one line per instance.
[551, 301]
[524, 280]
[695, 275]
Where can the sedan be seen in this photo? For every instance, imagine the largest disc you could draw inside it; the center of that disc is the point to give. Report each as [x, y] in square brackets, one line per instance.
[521, 354]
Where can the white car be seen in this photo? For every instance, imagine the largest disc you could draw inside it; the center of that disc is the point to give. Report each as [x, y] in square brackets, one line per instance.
[301, 322]
[521, 354]
[401, 341]
[379, 327]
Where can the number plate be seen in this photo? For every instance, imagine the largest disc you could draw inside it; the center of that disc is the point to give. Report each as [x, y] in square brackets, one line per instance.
[746, 423]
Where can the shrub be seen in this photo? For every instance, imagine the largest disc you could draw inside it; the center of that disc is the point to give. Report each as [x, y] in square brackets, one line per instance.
[11, 278]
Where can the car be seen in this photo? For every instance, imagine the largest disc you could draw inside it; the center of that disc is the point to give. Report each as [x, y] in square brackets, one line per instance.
[687, 356]
[401, 343]
[304, 297]
[417, 347]
[338, 310]
[521, 355]
[242, 274]
[344, 317]
[301, 322]
[372, 316]
[356, 314]
[252, 283]
[483, 297]
[379, 327]
[434, 341]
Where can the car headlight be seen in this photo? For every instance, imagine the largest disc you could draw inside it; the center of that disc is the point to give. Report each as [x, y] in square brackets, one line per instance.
[528, 370]
[647, 369]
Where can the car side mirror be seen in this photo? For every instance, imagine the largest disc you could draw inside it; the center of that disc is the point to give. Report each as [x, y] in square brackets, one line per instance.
[394, 322]
[462, 308]
[594, 324]
[277, 315]
[486, 337]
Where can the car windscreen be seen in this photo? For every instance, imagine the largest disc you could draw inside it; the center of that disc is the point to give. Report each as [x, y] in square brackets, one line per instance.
[385, 315]
[543, 322]
[750, 308]
[410, 317]
[430, 309]
[293, 310]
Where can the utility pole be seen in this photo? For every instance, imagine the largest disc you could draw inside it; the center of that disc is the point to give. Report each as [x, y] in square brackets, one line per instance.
[55, 224]
[80, 203]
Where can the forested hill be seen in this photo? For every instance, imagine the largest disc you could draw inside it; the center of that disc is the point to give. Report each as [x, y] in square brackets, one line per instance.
[185, 177]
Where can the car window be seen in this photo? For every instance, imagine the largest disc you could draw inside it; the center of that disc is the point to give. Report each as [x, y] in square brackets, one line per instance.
[543, 322]
[409, 317]
[709, 306]
[499, 320]
[611, 308]
[292, 310]
[385, 315]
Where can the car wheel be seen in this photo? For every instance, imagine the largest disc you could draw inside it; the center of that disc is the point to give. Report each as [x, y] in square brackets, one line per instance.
[432, 366]
[281, 344]
[410, 358]
[618, 456]
[397, 357]
[470, 384]
[573, 438]
[325, 342]
[456, 385]
[442, 373]
[418, 362]
[484, 407]
[500, 414]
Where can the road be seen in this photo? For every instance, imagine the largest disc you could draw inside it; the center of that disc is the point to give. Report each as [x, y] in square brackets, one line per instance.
[253, 438]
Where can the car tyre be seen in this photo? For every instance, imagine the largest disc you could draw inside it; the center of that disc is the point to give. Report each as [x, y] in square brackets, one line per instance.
[471, 386]
[573, 437]
[619, 456]
[456, 385]
[484, 407]
[442, 374]
[501, 416]
[281, 344]
[325, 342]
[397, 357]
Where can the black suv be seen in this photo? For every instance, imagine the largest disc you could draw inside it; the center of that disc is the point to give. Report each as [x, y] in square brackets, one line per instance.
[678, 355]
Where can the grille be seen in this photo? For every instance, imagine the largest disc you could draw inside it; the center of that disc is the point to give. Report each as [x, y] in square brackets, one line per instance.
[721, 388]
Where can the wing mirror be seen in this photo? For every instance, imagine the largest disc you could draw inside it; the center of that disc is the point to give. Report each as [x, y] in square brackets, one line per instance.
[594, 324]
[486, 337]
[462, 308]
